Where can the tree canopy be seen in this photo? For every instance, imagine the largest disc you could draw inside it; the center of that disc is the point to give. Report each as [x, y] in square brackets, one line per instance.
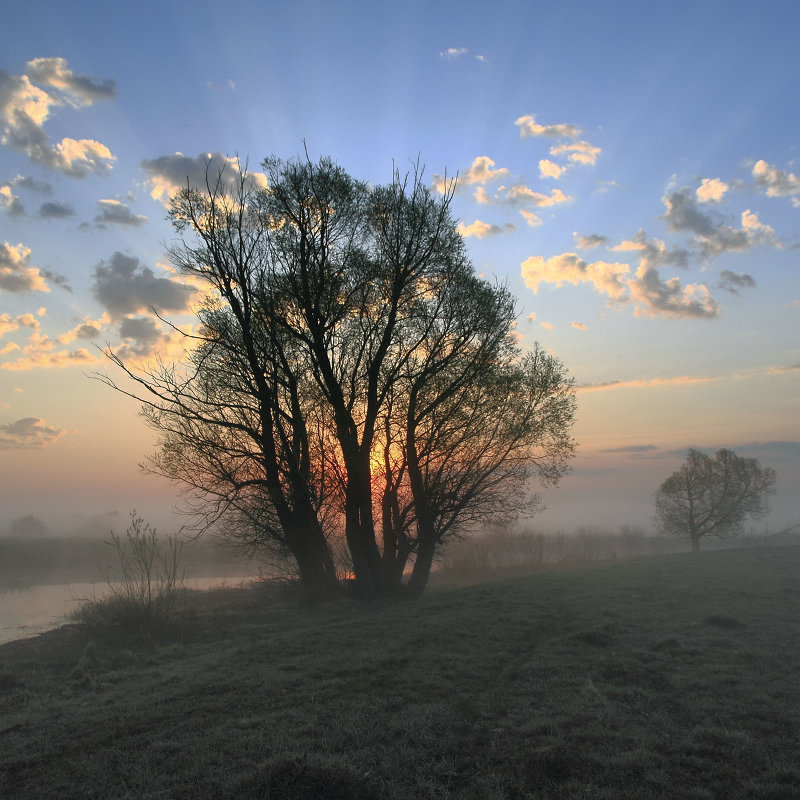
[711, 496]
[351, 377]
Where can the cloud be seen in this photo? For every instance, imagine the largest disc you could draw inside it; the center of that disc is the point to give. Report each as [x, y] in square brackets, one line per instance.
[28, 433]
[571, 268]
[653, 252]
[220, 86]
[9, 323]
[589, 242]
[711, 190]
[481, 230]
[56, 278]
[56, 210]
[169, 174]
[88, 329]
[480, 172]
[578, 152]
[25, 107]
[579, 326]
[529, 127]
[40, 352]
[534, 220]
[682, 380]
[79, 89]
[143, 338]
[9, 202]
[777, 182]
[112, 212]
[711, 234]
[520, 195]
[658, 297]
[634, 449]
[453, 53]
[30, 184]
[549, 169]
[733, 281]
[123, 286]
[15, 273]
[647, 290]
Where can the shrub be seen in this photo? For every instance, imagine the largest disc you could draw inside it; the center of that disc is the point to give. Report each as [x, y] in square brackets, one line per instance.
[143, 591]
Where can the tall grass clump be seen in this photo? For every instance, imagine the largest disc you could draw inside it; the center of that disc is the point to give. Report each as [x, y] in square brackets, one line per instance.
[144, 587]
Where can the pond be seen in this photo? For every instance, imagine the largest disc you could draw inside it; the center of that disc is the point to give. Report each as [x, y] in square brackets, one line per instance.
[30, 610]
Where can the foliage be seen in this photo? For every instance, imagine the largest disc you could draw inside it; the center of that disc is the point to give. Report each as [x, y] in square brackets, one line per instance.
[351, 378]
[712, 496]
[143, 590]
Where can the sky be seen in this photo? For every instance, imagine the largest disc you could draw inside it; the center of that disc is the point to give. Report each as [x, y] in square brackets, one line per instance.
[631, 171]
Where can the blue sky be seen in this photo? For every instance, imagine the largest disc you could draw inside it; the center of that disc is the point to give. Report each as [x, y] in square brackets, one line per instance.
[630, 170]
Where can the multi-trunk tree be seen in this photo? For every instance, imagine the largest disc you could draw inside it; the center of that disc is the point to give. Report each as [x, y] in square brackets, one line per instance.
[351, 378]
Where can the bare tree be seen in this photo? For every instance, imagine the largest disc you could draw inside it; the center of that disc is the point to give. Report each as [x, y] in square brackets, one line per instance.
[349, 367]
[712, 496]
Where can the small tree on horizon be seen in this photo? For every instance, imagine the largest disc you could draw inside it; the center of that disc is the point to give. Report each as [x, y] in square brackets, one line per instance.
[711, 496]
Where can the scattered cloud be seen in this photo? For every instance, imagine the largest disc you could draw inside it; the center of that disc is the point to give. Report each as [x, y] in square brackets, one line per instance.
[547, 326]
[534, 220]
[480, 172]
[41, 352]
[219, 86]
[711, 190]
[9, 202]
[16, 274]
[549, 169]
[520, 195]
[777, 182]
[633, 449]
[123, 286]
[651, 295]
[453, 53]
[589, 242]
[712, 235]
[168, 174]
[30, 184]
[529, 127]
[480, 230]
[9, 323]
[25, 107]
[579, 326]
[733, 281]
[604, 277]
[56, 210]
[785, 368]
[112, 212]
[28, 433]
[653, 252]
[88, 329]
[577, 152]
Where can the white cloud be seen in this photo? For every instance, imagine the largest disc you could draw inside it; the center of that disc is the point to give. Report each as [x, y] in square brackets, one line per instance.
[534, 220]
[579, 326]
[481, 230]
[529, 127]
[480, 172]
[9, 202]
[711, 190]
[521, 195]
[9, 323]
[16, 274]
[777, 182]
[25, 107]
[549, 169]
[453, 53]
[578, 152]
[604, 277]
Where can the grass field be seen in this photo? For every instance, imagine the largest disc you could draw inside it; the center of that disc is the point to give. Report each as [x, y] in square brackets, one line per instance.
[673, 676]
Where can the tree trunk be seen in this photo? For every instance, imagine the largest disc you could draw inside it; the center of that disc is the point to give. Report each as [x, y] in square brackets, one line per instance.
[310, 549]
[422, 566]
[695, 543]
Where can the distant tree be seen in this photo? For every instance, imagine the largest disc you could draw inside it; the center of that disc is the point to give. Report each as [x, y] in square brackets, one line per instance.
[712, 496]
[29, 527]
[350, 375]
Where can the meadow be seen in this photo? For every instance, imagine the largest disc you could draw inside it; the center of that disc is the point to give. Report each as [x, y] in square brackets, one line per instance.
[665, 676]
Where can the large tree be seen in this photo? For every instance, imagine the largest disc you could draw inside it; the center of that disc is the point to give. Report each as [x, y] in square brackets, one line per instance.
[351, 375]
[711, 496]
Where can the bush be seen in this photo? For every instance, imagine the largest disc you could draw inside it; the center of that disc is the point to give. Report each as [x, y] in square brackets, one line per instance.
[143, 593]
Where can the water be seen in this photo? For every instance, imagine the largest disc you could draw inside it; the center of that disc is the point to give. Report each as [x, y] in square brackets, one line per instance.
[31, 610]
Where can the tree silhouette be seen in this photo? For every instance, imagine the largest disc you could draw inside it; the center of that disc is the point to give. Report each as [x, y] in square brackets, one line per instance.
[351, 375]
[712, 496]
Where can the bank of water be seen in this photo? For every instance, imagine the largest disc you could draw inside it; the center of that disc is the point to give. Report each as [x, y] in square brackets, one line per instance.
[28, 611]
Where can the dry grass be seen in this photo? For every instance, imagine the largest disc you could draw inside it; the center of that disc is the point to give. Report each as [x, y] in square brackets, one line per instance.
[665, 677]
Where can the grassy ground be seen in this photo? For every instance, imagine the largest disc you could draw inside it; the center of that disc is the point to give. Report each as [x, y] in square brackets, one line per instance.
[666, 677]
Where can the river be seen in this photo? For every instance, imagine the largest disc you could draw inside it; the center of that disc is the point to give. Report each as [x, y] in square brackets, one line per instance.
[32, 610]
